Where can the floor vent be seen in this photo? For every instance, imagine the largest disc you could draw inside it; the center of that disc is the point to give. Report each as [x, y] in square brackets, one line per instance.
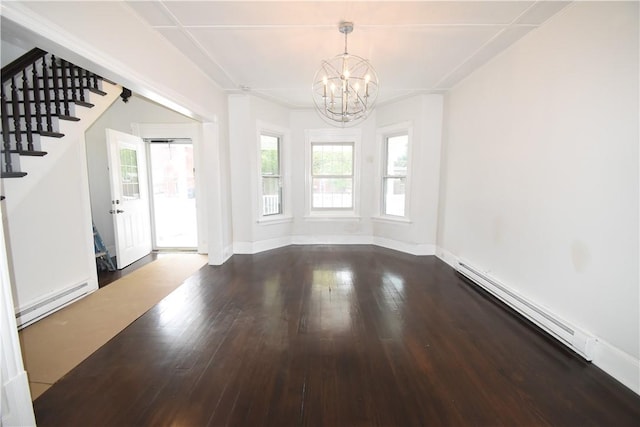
[577, 340]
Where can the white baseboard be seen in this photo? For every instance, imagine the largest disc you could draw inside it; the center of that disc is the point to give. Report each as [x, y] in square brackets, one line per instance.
[265, 245]
[331, 240]
[227, 253]
[447, 257]
[215, 258]
[418, 249]
[260, 245]
[17, 409]
[615, 362]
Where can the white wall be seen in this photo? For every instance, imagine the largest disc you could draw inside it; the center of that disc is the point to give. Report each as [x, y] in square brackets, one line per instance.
[317, 230]
[540, 174]
[424, 114]
[10, 52]
[119, 117]
[48, 216]
[246, 114]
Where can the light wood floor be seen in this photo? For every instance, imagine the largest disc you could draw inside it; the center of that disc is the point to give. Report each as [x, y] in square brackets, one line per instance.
[333, 336]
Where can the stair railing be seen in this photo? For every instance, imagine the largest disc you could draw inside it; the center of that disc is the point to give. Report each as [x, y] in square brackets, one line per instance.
[36, 88]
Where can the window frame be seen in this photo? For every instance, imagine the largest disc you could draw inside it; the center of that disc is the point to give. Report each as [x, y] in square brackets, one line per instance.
[350, 137]
[383, 136]
[283, 136]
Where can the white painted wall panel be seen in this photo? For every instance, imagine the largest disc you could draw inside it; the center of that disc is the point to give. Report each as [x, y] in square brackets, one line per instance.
[424, 113]
[540, 171]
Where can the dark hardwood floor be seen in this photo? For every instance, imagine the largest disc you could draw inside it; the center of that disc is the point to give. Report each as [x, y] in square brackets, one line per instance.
[333, 336]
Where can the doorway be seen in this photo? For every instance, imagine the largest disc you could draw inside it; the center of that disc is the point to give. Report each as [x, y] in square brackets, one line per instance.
[173, 201]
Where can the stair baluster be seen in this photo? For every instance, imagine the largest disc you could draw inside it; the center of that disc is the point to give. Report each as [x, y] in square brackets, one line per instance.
[35, 81]
[47, 94]
[6, 137]
[56, 85]
[72, 79]
[81, 83]
[65, 87]
[95, 80]
[26, 99]
[16, 114]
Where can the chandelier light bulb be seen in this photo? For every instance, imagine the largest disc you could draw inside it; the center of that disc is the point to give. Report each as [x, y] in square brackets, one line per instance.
[358, 84]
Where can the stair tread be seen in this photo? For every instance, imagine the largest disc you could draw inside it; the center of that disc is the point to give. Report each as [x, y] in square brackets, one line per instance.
[69, 118]
[42, 133]
[97, 91]
[52, 134]
[13, 174]
[75, 101]
[82, 103]
[28, 152]
[44, 116]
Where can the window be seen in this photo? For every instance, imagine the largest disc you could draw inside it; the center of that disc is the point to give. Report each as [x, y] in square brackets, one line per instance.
[332, 176]
[270, 169]
[332, 170]
[129, 174]
[394, 174]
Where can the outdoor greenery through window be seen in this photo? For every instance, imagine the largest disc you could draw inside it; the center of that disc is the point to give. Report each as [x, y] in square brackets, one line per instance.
[332, 175]
[394, 176]
[271, 175]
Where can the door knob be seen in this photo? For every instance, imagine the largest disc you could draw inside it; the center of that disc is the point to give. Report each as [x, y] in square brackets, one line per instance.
[117, 211]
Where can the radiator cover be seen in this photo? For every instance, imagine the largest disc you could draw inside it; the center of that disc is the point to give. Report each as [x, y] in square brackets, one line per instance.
[576, 339]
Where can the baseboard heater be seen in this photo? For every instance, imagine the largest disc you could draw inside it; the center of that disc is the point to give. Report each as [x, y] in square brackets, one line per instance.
[48, 304]
[577, 340]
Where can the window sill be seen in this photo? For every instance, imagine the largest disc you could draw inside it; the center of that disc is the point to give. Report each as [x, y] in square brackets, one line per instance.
[392, 219]
[279, 219]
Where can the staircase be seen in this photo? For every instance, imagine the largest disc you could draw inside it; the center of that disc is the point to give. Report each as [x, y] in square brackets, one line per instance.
[47, 104]
[39, 90]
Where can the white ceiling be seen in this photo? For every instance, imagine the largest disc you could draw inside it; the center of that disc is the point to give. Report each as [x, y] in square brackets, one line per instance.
[273, 48]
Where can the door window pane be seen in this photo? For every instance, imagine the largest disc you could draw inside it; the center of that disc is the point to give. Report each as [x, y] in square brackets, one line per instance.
[129, 174]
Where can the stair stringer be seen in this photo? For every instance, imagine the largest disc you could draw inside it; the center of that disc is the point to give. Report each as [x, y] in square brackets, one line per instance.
[48, 214]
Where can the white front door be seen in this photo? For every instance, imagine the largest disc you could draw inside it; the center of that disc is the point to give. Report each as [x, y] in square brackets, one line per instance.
[129, 196]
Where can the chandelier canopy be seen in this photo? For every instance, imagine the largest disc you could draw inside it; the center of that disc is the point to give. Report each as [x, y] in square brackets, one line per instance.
[345, 87]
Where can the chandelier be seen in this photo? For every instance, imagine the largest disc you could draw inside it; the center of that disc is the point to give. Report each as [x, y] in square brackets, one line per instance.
[345, 87]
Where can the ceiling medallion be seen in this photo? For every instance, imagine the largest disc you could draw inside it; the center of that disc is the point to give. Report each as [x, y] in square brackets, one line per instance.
[345, 87]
